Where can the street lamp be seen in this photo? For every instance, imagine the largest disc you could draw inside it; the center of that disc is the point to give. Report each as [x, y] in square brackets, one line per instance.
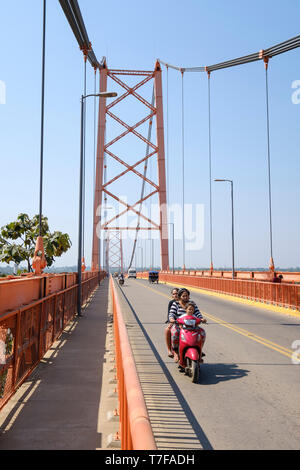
[105, 263]
[142, 257]
[83, 97]
[232, 221]
[147, 266]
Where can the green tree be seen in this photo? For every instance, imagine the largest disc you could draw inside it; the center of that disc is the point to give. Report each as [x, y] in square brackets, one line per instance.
[18, 239]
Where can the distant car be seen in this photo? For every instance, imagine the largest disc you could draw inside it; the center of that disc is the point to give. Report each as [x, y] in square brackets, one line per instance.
[132, 273]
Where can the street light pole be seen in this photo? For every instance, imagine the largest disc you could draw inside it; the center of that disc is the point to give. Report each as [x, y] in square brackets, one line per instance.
[83, 97]
[39, 261]
[42, 121]
[80, 211]
[266, 60]
[232, 229]
[142, 257]
[147, 261]
[232, 223]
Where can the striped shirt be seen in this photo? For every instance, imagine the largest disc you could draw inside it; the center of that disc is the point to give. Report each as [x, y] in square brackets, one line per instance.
[177, 310]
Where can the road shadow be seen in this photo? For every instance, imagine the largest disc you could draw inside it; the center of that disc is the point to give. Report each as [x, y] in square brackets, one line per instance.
[212, 374]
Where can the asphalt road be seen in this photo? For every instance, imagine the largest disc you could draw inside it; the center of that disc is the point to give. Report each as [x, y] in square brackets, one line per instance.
[249, 388]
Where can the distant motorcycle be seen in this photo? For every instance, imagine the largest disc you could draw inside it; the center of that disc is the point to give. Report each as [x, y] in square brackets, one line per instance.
[153, 276]
[121, 281]
[191, 340]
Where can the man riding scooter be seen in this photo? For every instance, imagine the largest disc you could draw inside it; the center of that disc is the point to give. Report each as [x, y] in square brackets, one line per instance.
[121, 279]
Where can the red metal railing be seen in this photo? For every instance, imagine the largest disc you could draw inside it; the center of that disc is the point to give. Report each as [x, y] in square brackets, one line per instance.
[288, 276]
[285, 295]
[135, 429]
[26, 333]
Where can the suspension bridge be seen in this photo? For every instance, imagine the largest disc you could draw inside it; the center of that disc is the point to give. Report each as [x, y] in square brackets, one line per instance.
[82, 336]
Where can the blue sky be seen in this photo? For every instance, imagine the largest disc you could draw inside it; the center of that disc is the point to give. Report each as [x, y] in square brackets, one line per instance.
[132, 35]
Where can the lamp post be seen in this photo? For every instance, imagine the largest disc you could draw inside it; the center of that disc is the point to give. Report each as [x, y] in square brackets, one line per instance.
[106, 209]
[142, 257]
[42, 120]
[83, 98]
[147, 265]
[232, 221]
[39, 261]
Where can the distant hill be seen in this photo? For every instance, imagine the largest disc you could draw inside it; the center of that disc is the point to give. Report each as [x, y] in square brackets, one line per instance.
[6, 270]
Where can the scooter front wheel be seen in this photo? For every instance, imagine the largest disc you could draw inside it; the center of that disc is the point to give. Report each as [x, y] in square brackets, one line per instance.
[195, 371]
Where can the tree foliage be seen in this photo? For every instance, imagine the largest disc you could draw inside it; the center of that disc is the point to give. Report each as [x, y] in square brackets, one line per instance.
[18, 239]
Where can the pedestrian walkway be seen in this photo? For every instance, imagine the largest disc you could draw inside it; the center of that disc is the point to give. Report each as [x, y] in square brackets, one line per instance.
[64, 403]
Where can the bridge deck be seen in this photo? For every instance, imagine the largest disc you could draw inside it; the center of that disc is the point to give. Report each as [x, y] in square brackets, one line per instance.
[247, 397]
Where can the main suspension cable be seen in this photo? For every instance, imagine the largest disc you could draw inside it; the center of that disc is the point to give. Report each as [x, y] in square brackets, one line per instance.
[73, 14]
[270, 52]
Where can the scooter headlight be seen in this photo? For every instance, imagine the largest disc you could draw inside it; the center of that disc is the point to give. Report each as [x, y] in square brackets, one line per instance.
[190, 323]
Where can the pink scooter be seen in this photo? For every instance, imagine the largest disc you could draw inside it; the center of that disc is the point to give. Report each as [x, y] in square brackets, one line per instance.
[191, 340]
